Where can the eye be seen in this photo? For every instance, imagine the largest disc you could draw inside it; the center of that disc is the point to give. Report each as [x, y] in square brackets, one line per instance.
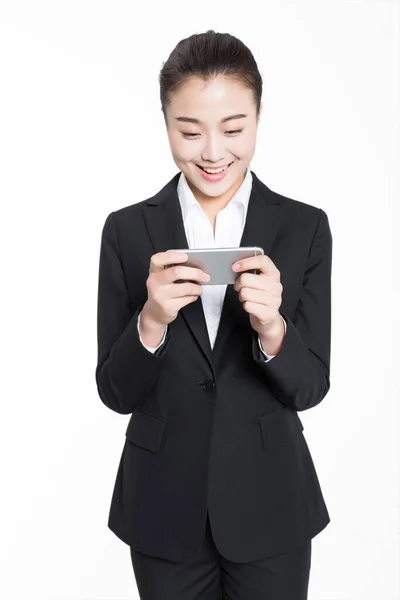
[192, 135]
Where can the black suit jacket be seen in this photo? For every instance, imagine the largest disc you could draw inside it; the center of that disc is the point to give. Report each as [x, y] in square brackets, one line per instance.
[215, 428]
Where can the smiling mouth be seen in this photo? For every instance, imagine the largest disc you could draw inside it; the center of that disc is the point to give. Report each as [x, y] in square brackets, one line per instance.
[217, 171]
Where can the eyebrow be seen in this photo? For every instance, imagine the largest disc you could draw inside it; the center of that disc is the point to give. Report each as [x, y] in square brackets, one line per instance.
[224, 120]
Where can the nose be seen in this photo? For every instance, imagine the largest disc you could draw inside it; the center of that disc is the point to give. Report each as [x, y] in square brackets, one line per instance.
[213, 149]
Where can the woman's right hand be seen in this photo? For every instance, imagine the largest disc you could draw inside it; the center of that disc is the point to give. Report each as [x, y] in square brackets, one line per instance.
[165, 297]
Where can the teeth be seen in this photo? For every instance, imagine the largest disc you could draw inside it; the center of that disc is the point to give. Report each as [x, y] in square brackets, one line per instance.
[214, 171]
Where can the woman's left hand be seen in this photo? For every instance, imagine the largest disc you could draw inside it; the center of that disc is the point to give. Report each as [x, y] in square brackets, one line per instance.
[261, 294]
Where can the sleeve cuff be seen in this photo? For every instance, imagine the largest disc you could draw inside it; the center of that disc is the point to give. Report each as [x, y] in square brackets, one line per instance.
[149, 348]
[269, 356]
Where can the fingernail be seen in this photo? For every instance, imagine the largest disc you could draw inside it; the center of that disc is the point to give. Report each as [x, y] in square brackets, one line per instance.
[236, 266]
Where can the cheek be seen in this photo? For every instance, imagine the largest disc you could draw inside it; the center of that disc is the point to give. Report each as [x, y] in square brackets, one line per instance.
[180, 148]
[244, 145]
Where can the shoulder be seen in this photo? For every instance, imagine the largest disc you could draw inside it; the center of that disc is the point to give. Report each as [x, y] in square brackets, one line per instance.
[126, 218]
[133, 213]
[122, 220]
[130, 211]
[304, 215]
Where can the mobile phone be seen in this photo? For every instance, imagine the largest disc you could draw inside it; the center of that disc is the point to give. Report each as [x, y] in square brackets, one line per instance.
[217, 262]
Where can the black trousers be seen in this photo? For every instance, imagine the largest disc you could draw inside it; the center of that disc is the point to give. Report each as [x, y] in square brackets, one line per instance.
[212, 577]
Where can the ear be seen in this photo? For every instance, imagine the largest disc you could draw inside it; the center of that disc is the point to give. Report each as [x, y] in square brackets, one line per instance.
[259, 116]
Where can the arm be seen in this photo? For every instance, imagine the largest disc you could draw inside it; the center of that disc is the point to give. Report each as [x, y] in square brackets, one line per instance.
[299, 374]
[149, 348]
[269, 356]
[126, 371]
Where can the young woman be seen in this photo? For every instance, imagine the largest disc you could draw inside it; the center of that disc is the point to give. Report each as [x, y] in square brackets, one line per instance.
[216, 491]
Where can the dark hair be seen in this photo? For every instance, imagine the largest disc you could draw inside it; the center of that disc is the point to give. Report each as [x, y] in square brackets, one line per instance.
[208, 55]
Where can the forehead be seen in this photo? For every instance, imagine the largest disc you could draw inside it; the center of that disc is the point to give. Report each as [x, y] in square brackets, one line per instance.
[210, 100]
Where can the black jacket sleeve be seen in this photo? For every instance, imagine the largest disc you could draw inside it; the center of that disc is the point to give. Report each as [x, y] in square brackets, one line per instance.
[126, 370]
[299, 374]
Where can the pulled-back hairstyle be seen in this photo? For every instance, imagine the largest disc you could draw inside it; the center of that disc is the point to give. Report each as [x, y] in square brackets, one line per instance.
[208, 55]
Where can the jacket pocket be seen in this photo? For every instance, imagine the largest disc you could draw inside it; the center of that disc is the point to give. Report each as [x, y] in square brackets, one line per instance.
[279, 427]
[146, 430]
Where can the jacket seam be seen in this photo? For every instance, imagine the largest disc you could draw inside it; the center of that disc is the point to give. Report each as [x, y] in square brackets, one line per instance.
[120, 258]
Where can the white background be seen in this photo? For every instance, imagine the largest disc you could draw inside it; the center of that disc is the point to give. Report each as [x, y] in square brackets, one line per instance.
[82, 134]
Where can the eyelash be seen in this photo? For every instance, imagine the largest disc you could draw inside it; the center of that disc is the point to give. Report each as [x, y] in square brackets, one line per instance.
[192, 135]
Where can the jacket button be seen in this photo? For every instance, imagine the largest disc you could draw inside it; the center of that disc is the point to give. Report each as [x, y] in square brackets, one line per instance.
[208, 385]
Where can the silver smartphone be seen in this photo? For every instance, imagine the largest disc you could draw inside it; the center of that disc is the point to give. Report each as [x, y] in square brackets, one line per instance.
[217, 262]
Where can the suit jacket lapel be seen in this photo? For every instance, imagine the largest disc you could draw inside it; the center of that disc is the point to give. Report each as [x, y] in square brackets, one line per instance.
[163, 218]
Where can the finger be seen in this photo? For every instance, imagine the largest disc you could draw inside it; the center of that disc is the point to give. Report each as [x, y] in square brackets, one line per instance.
[161, 259]
[252, 281]
[260, 311]
[179, 290]
[262, 262]
[180, 272]
[256, 296]
[184, 301]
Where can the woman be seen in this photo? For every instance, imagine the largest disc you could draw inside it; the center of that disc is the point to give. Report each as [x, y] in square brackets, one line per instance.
[216, 492]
